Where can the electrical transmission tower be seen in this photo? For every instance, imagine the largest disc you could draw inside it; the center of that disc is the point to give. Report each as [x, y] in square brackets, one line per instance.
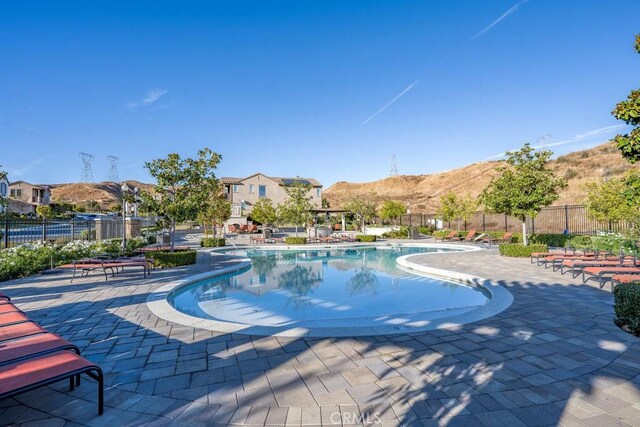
[113, 168]
[394, 166]
[87, 172]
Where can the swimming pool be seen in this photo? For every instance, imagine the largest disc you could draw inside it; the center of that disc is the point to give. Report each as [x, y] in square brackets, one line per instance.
[327, 290]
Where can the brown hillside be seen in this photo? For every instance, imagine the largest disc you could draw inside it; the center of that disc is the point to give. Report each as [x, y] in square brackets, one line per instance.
[105, 193]
[423, 192]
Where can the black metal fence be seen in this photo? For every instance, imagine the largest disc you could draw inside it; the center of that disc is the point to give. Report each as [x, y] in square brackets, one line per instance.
[553, 219]
[16, 231]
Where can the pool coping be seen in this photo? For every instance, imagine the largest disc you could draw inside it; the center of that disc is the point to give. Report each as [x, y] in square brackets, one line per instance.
[501, 298]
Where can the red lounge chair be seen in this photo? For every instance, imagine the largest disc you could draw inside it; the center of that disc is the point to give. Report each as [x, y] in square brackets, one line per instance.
[233, 229]
[19, 330]
[32, 346]
[576, 266]
[472, 234]
[8, 308]
[450, 236]
[602, 273]
[244, 228]
[27, 375]
[537, 255]
[87, 266]
[556, 259]
[624, 278]
[506, 238]
[12, 318]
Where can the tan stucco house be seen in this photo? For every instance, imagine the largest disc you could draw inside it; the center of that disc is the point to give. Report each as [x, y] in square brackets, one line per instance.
[243, 193]
[30, 193]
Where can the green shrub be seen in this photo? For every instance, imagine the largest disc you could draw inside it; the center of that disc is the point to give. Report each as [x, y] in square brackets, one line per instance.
[626, 298]
[172, 259]
[518, 250]
[580, 242]
[366, 238]
[614, 243]
[212, 242]
[402, 233]
[295, 240]
[557, 240]
[427, 231]
[152, 239]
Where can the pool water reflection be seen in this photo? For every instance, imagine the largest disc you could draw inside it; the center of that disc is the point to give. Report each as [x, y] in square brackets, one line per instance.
[327, 288]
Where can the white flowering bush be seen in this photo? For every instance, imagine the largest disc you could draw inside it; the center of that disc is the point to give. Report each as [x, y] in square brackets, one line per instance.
[32, 258]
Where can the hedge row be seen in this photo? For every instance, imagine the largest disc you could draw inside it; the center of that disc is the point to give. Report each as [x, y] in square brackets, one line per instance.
[295, 240]
[212, 242]
[365, 238]
[518, 250]
[627, 306]
[173, 259]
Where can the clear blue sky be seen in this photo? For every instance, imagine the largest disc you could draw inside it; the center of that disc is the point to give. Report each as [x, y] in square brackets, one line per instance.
[293, 87]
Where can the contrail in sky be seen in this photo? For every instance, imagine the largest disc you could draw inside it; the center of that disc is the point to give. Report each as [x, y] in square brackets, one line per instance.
[500, 19]
[391, 102]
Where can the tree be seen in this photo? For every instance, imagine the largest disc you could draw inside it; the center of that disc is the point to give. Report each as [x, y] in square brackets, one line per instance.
[629, 112]
[448, 207]
[3, 202]
[264, 212]
[606, 201]
[296, 209]
[525, 185]
[216, 210]
[44, 211]
[454, 208]
[392, 209]
[182, 188]
[363, 209]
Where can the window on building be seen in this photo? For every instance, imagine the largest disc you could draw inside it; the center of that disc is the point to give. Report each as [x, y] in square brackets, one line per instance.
[16, 192]
[235, 188]
[3, 189]
[318, 192]
[251, 189]
[262, 191]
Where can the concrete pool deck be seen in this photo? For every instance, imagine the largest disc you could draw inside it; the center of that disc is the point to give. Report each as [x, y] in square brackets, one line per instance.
[554, 357]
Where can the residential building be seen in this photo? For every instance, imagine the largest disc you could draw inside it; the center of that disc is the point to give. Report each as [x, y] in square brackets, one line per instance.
[30, 193]
[243, 193]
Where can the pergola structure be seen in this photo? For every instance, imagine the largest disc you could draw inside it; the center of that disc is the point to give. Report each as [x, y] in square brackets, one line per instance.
[328, 211]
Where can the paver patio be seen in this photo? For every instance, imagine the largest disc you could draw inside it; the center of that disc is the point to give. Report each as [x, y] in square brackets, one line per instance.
[553, 358]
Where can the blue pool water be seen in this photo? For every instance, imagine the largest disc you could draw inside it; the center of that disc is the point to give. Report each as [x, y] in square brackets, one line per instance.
[327, 288]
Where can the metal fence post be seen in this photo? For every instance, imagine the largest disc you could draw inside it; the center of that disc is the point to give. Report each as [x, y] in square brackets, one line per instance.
[73, 229]
[506, 225]
[44, 230]
[533, 225]
[6, 232]
[484, 223]
[566, 218]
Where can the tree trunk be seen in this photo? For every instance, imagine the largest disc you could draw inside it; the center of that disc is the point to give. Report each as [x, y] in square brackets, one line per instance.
[525, 241]
[296, 230]
[172, 234]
